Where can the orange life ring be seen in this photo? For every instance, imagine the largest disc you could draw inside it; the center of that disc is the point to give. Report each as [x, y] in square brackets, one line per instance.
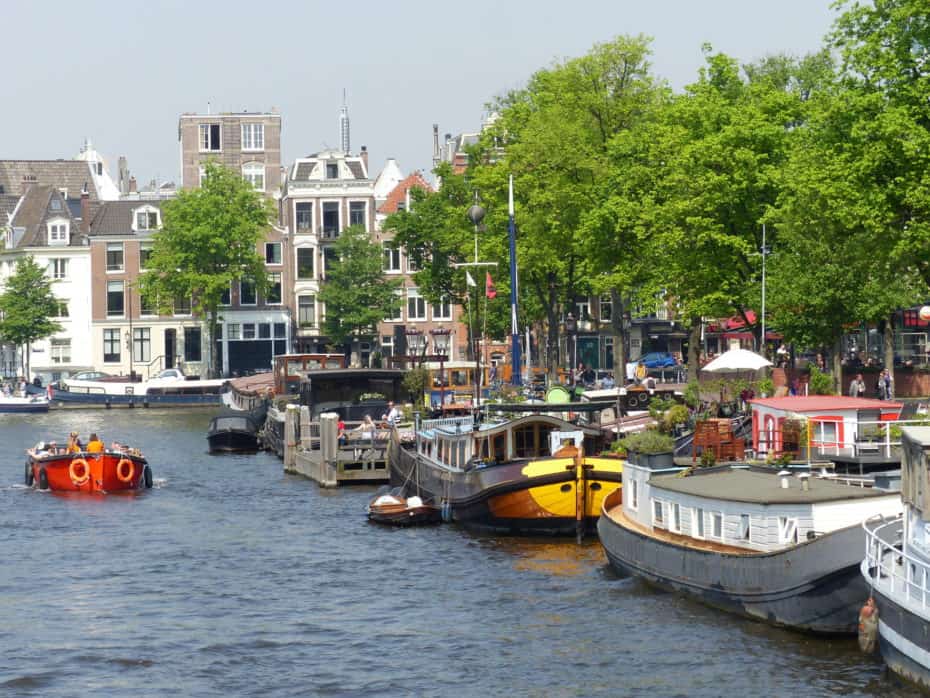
[85, 471]
[121, 471]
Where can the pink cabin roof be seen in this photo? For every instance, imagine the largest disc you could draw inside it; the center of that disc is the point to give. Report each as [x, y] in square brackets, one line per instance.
[825, 403]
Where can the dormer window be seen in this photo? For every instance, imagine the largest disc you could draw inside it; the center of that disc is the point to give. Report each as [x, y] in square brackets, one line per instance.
[55, 205]
[58, 232]
[146, 218]
[332, 170]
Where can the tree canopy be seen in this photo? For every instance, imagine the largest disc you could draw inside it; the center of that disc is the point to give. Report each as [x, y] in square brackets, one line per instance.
[208, 240]
[27, 305]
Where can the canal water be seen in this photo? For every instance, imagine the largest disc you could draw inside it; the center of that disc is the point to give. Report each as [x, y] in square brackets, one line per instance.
[231, 578]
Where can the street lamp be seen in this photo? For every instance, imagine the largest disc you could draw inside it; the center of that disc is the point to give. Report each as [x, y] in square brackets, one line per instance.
[571, 328]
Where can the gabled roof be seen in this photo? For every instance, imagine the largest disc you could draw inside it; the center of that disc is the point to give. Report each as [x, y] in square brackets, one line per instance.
[399, 193]
[71, 175]
[389, 177]
[37, 207]
[825, 403]
[115, 217]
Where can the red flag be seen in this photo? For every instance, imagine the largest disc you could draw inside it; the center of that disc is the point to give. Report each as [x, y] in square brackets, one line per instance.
[489, 289]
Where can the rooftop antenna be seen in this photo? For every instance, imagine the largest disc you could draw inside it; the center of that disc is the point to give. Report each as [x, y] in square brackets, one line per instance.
[344, 124]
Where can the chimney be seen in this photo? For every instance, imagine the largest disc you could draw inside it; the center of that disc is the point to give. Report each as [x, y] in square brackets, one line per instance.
[132, 185]
[123, 175]
[784, 475]
[28, 181]
[364, 155]
[85, 209]
[805, 481]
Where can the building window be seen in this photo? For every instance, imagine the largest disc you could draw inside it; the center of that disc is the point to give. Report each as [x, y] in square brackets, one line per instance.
[61, 308]
[226, 296]
[146, 220]
[280, 330]
[357, 215]
[61, 351]
[582, 310]
[210, 137]
[182, 305]
[416, 305]
[272, 253]
[192, 351]
[391, 257]
[697, 523]
[116, 301]
[304, 214]
[147, 305]
[145, 252]
[745, 527]
[442, 310]
[59, 268]
[387, 346]
[306, 311]
[254, 174]
[253, 137]
[305, 265]
[274, 288]
[264, 330]
[606, 309]
[658, 518]
[717, 522]
[398, 307]
[248, 330]
[115, 256]
[58, 233]
[232, 331]
[201, 175]
[247, 292]
[411, 264]
[141, 344]
[111, 345]
[332, 170]
[330, 219]
[329, 258]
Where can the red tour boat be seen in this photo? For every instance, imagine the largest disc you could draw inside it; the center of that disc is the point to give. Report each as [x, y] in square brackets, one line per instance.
[110, 470]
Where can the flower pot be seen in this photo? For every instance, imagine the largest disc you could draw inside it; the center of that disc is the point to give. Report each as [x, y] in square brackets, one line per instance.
[652, 460]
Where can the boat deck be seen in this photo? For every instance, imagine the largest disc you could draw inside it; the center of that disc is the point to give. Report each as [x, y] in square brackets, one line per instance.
[617, 515]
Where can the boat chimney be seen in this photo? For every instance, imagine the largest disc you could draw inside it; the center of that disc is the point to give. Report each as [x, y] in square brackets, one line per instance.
[805, 481]
[784, 475]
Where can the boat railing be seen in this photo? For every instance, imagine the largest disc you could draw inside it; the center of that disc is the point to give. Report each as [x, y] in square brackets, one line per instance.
[456, 423]
[866, 438]
[889, 567]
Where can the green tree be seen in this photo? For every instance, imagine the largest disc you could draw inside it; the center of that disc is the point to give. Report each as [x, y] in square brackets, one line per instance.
[26, 305]
[209, 240]
[356, 293]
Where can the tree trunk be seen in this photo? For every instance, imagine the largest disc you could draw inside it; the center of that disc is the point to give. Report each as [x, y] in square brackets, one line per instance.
[837, 363]
[619, 333]
[212, 324]
[552, 343]
[26, 361]
[694, 348]
[888, 343]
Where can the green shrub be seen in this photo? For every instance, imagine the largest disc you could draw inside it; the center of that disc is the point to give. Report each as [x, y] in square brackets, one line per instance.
[676, 416]
[692, 394]
[649, 441]
[416, 381]
[820, 382]
[767, 387]
[708, 458]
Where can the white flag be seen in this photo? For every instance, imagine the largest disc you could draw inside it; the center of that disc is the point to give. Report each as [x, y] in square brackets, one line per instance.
[468, 280]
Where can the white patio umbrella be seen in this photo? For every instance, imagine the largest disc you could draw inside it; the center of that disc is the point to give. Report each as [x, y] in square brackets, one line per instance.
[736, 360]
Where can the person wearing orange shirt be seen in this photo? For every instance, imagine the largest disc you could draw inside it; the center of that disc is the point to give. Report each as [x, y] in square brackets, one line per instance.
[95, 445]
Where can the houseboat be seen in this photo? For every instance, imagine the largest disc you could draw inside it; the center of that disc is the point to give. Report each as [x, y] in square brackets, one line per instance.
[896, 567]
[765, 545]
[170, 388]
[115, 469]
[532, 474]
[25, 404]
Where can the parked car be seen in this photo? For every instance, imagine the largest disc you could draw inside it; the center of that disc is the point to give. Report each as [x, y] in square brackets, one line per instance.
[90, 376]
[658, 359]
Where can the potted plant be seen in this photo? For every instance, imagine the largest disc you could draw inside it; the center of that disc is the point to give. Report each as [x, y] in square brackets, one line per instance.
[650, 448]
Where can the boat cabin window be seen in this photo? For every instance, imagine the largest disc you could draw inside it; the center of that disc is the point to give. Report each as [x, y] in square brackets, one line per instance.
[499, 448]
[675, 523]
[717, 521]
[697, 523]
[482, 448]
[532, 441]
[658, 518]
[634, 495]
[745, 527]
[787, 530]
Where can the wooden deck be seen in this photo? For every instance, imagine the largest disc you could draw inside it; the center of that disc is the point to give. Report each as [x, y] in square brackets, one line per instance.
[617, 516]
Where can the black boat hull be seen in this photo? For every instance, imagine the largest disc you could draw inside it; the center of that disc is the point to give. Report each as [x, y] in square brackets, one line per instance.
[903, 640]
[232, 442]
[815, 586]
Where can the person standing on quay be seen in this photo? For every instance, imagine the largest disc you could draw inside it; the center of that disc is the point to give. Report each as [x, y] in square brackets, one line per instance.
[857, 386]
[885, 385]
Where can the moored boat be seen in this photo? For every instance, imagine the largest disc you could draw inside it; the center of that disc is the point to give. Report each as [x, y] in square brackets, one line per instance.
[394, 509]
[771, 547]
[235, 430]
[28, 404]
[105, 471]
[169, 389]
[529, 475]
[896, 569]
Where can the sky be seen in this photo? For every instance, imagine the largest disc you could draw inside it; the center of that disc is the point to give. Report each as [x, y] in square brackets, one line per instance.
[120, 73]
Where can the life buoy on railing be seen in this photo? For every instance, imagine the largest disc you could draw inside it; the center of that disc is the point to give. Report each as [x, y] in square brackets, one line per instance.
[125, 470]
[79, 471]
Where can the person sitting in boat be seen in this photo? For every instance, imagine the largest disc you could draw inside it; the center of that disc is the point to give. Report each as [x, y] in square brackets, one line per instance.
[392, 417]
[95, 445]
[367, 427]
[74, 443]
[341, 436]
[40, 450]
[7, 390]
[52, 448]
[117, 447]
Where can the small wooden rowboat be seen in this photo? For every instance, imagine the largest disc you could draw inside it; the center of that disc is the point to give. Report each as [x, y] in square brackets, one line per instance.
[108, 471]
[395, 510]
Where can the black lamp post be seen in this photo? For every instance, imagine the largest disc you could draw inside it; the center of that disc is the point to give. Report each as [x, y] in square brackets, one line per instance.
[571, 327]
